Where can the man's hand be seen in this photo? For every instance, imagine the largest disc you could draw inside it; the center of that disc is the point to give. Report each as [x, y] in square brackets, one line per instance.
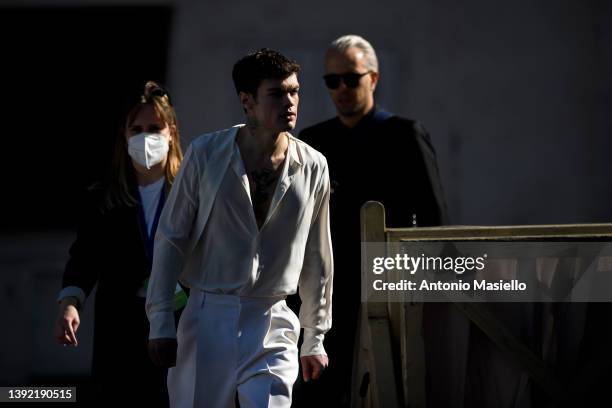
[67, 322]
[313, 366]
[163, 352]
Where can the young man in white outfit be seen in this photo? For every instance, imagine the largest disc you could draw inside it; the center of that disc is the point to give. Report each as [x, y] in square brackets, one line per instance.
[246, 224]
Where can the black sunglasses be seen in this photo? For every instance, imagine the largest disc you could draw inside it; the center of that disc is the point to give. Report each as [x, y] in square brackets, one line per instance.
[351, 80]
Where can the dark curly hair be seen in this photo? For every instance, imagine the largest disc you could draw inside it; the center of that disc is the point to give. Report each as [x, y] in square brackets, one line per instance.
[249, 71]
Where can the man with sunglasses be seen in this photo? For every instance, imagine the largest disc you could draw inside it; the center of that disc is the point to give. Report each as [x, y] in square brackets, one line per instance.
[372, 155]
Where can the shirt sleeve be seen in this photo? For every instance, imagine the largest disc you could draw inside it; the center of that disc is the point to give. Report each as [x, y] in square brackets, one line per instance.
[73, 291]
[83, 267]
[171, 242]
[315, 285]
[436, 210]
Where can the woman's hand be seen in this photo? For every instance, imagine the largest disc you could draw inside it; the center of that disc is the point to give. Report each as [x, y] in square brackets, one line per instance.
[67, 322]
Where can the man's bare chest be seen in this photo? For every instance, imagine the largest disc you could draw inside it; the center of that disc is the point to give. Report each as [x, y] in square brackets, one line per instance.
[262, 185]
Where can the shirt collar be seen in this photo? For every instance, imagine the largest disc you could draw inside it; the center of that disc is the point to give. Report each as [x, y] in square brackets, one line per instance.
[294, 155]
[366, 120]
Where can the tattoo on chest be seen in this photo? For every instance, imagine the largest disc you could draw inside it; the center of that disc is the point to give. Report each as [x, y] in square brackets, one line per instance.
[263, 182]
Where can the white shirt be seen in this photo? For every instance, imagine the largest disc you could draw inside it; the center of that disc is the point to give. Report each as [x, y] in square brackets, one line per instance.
[233, 256]
[149, 198]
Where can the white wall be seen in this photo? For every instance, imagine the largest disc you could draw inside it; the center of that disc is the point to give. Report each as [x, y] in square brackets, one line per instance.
[513, 93]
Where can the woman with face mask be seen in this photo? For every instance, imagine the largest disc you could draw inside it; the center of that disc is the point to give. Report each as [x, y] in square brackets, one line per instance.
[114, 249]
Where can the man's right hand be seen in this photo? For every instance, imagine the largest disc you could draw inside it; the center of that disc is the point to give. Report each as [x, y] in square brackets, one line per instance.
[163, 352]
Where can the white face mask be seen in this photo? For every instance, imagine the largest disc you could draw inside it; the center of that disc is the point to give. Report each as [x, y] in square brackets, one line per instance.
[148, 149]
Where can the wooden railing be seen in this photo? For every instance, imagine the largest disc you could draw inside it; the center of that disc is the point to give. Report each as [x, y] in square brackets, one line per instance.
[389, 361]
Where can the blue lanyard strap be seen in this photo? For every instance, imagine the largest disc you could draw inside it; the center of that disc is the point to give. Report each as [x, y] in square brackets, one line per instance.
[180, 297]
[151, 234]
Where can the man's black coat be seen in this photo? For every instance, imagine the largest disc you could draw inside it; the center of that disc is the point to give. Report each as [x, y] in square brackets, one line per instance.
[384, 158]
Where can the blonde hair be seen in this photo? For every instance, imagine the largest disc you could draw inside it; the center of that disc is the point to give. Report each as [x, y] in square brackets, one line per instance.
[341, 44]
[119, 191]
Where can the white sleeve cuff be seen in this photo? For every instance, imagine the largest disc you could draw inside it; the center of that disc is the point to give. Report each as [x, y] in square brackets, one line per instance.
[313, 343]
[162, 325]
[73, 291]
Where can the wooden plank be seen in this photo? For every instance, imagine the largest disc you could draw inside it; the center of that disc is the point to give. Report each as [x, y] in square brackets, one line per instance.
[413, 356]
[592, 231]
[383, 381]
[372, 230]
[503, 338]
[361, 388]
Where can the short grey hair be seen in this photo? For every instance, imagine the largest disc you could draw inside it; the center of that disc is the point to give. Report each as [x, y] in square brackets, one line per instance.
[345, 42]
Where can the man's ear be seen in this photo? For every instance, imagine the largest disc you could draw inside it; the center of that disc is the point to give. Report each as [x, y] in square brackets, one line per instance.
[374, 76]
[247, 101]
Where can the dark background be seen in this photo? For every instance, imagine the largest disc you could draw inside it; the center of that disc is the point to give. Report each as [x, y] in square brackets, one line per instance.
[67, 73]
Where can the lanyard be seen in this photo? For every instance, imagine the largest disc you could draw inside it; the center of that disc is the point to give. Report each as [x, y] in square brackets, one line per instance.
[150, 235]
[180, 297]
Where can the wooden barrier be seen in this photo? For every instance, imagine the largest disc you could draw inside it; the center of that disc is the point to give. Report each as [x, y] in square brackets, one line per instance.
[389, 360]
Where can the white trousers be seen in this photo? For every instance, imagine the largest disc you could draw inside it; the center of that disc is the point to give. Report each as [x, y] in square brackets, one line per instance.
[229, 344]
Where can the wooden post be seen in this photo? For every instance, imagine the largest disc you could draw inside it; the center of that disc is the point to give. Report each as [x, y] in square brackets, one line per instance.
[374, 358]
